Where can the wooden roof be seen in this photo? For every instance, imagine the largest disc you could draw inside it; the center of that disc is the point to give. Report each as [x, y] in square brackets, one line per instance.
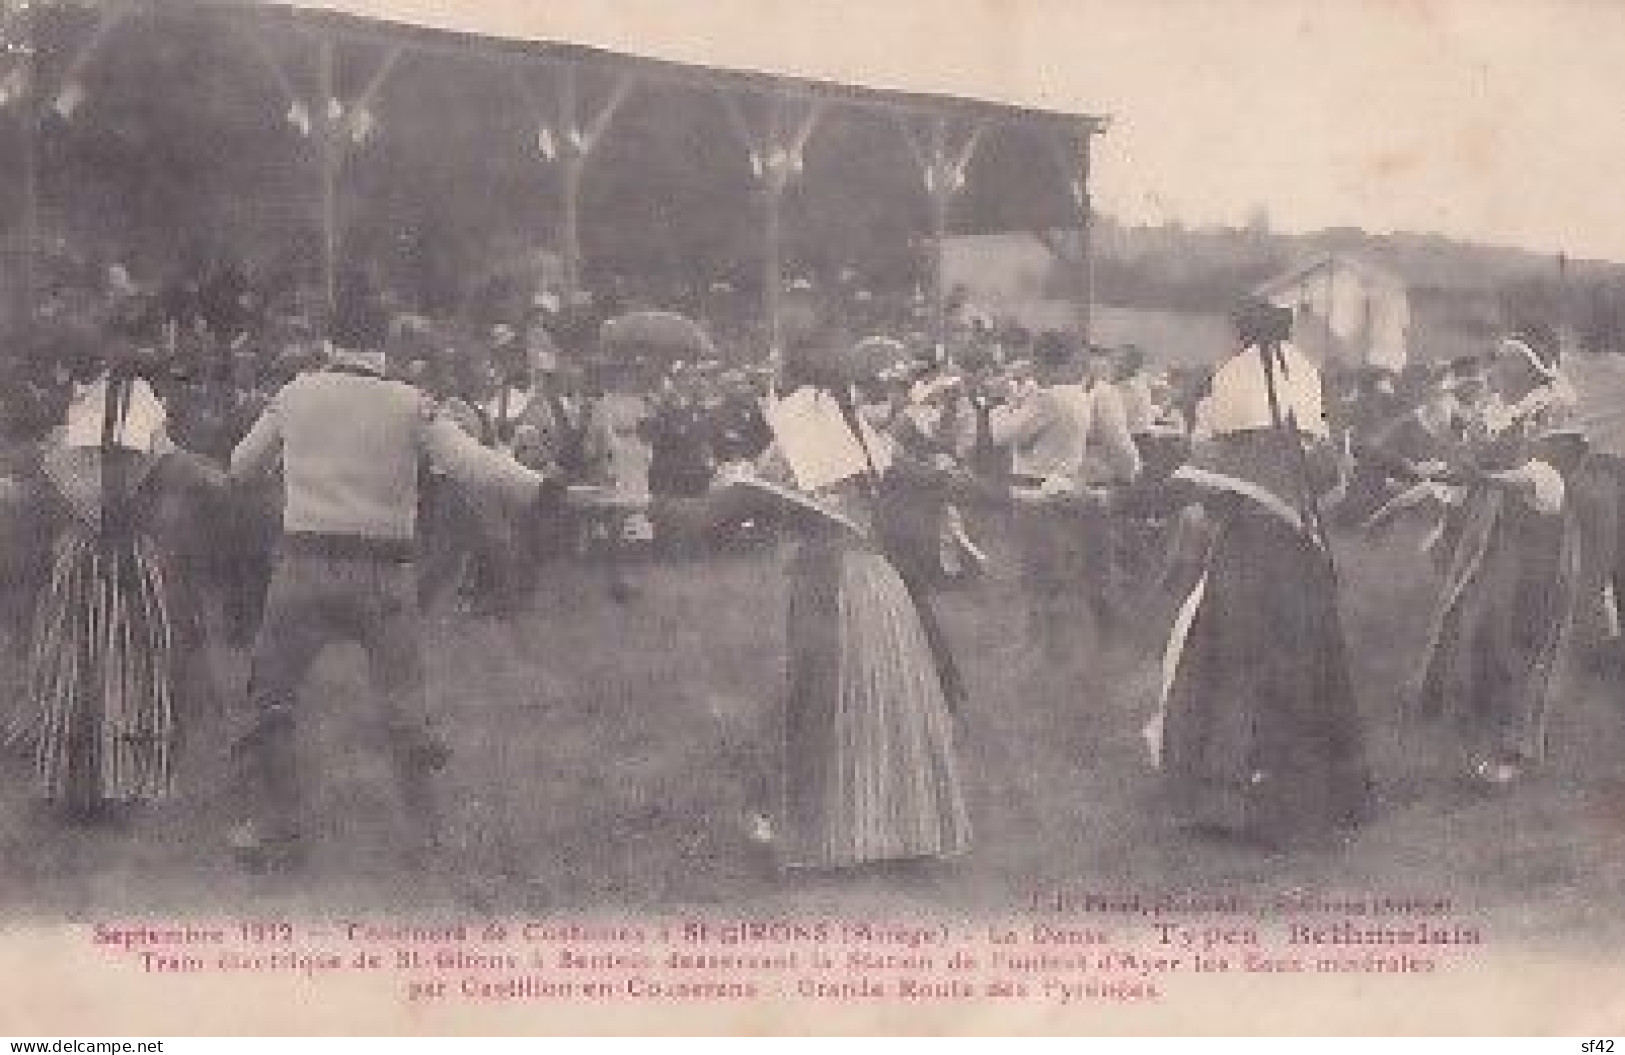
[465, 30]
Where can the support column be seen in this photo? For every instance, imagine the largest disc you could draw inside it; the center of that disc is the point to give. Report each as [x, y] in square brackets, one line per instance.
[570, 235]
[337, 128]
[776, 159]
[1073, 152]
[566, 135]
[942, 166]
[329, 161]
[573, 163]
[941, 191]
[774, 179]
[1086, 254]
[26, 300]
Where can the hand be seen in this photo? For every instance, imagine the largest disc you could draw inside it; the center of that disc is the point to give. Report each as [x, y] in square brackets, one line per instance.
[1058, 487]
[730, 473]
[1100, 496]
[551, 491]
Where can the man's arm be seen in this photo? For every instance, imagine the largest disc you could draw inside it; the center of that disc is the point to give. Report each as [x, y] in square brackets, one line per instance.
[455, 454]
[1015, 424]
[258, 452]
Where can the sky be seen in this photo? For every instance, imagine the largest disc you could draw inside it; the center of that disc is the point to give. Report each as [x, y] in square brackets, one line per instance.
[1493, 120]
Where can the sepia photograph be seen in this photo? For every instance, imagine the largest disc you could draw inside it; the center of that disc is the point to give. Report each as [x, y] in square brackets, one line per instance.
[789, 517]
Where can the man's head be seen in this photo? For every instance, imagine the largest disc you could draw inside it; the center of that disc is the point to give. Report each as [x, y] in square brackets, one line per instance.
[538, 338]
[568, 379]
[1160, 386]
[1099, 365]
[1465, 380]
[359, 323]
[1130, 361]
[128, 328]
[1053, 358]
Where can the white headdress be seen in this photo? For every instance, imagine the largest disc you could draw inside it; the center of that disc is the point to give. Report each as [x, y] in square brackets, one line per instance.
[139, 426]
[1239, 399]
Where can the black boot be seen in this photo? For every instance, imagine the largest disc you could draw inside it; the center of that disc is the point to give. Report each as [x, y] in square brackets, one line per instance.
[417, 774]
[265, 800]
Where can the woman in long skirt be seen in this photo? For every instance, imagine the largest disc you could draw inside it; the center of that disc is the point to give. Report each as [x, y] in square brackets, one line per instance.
[114, 634]
[1262, 735]
[1509, 591]
[1259, 735]
[869, 770]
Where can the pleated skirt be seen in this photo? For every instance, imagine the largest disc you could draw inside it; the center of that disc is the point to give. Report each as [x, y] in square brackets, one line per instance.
[870, 767]
[98, 714]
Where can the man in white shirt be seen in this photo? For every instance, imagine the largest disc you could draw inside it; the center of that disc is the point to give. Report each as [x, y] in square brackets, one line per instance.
[1111, 458]
[1110, 455]
[1044, 420]
[1067, 441]
[1133, 386]
[349, 443]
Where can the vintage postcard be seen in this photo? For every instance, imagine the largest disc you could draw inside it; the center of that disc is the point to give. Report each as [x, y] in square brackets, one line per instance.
[757, 516]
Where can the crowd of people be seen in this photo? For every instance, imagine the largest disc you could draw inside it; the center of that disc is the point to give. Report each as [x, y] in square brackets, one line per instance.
[327, 483]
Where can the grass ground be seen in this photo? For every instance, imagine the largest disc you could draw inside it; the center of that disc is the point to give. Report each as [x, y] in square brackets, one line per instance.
[608, 754]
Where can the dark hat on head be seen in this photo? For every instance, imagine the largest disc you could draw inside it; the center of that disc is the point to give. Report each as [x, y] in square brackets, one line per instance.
[1257, 319]
[360, 320]
[132, 318]
[1053, 348]
[818, 354]
[1466, 368]
[1461, 373]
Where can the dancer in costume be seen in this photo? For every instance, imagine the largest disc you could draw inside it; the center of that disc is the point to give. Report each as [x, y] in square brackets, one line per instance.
[869, 770]
[1260, 737]
[117, 644]
[1509, 589]
[350, 443]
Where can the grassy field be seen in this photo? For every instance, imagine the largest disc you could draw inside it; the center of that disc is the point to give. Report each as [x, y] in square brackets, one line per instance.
[608, 755]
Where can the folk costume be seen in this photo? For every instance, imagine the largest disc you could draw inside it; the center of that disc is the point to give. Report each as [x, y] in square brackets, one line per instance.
[116, 632]
[350, 443]
[1410, 459]
[1509, 590]
[1259, 735]
[869, 771]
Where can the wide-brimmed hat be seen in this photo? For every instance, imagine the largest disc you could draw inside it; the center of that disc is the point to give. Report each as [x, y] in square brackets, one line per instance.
[1541, 356]
[1257, 319]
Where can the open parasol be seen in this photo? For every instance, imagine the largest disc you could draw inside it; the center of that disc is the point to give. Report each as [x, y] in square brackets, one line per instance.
[874, 356]
[655, 335]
